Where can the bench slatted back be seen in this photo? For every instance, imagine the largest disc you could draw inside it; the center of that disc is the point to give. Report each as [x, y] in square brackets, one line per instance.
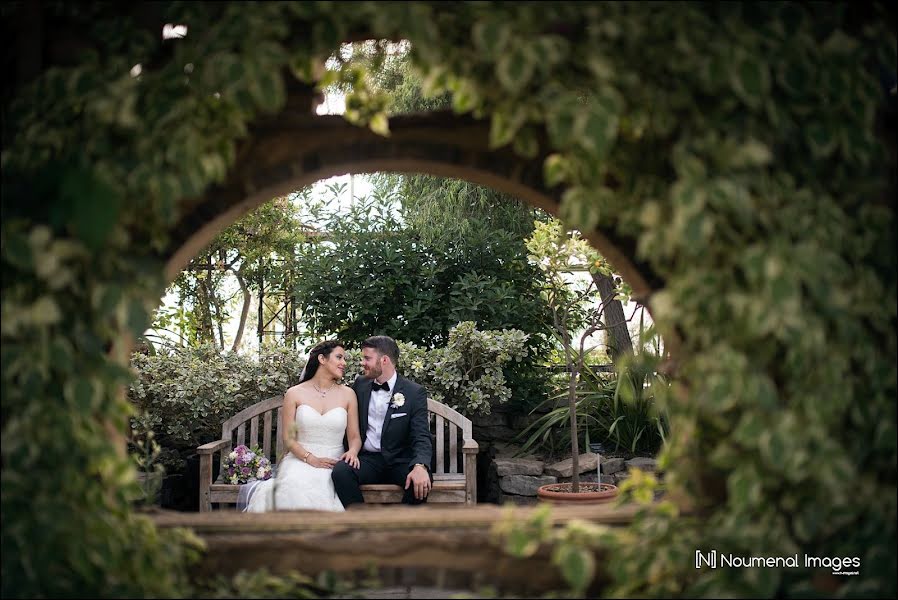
[447, 425]
[234, 429]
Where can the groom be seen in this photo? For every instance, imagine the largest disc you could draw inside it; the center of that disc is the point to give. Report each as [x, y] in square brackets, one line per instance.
[396, 444]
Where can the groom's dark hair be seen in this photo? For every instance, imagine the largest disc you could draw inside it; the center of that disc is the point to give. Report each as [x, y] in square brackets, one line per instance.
[384, 345]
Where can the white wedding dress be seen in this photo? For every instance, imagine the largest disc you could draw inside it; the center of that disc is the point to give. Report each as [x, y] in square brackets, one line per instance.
[299, 485]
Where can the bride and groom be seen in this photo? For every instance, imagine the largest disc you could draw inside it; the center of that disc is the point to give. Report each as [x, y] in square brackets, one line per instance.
[337, 438]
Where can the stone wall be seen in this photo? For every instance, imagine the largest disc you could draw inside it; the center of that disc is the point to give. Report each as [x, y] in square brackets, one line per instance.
[519, 478]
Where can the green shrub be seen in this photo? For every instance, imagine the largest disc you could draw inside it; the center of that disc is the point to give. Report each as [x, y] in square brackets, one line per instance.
[467, 373]
[622, 410]
[187, 393]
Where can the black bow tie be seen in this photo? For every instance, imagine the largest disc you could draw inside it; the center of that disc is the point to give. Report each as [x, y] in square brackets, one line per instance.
[385, 386]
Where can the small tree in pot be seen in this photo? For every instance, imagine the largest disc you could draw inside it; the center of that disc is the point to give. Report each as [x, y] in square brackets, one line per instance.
[557, 254]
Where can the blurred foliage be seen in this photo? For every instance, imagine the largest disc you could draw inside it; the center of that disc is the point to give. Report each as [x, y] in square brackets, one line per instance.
[146, 452]
[573, 545]
[735, 149]
[263, 584]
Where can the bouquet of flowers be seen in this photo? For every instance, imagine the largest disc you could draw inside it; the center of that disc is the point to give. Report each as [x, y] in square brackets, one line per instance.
[243, 465]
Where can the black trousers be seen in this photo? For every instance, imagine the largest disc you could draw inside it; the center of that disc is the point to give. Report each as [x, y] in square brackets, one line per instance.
[372, 469]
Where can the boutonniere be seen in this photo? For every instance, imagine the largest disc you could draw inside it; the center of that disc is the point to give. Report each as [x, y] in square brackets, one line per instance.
[398, 400]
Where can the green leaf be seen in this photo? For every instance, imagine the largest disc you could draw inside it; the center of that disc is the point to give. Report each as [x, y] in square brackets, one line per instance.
[83, 394]
[61, 354]
[750, 79]
[491, 37]
[88, 205]
[107, 298]
[380, 124]
[504, 126]
[840, 44]
[794, 76]
[17, 250]
[551, 49]
[601, 67]
[138, 319]
[555, 170]
[465, 97]
[268, 90]
[214, 167]
[716, 71]
[515, 69]
[599, 129]
[563, 123]
[304, 67]
[821, 139]
[580, 209]
[521, 543]
[434, 82]
[525, 144]
[45, 311]
[752, 154]
[577, 566]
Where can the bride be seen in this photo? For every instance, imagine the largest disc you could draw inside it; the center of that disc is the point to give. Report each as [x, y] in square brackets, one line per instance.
[317, 412]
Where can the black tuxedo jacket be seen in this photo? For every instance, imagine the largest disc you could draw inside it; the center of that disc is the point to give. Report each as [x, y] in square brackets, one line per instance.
[405, 437]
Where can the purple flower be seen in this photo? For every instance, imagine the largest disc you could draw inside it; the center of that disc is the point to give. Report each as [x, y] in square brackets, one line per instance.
[246, 465]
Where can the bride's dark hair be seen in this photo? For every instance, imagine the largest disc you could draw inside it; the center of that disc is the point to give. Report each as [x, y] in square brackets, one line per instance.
[321, 349]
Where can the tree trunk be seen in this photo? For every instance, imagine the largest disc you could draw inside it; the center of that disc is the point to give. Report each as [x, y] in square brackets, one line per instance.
[260, 327]
[206, 331]
[247, 297]
[572, 398]
[619, 341]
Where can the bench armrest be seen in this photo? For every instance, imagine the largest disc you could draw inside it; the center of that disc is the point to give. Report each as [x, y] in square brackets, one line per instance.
[212, 446]
[470, 447]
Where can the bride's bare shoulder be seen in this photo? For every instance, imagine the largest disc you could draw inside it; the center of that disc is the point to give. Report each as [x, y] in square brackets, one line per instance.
[294, 392]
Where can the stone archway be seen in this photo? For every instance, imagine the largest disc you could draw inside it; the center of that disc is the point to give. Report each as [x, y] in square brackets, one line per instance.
[294, 149]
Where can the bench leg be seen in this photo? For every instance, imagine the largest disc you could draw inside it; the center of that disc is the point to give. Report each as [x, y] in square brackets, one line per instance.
[471, 478]
[205, 482]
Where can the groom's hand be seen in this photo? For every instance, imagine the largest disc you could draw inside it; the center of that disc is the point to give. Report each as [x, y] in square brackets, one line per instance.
[419, 478]
[351, 459]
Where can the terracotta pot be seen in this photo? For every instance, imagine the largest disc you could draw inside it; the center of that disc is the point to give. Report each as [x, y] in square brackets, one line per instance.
[550, 493]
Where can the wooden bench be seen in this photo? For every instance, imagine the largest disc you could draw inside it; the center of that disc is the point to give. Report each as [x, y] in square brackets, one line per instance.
[454, 468]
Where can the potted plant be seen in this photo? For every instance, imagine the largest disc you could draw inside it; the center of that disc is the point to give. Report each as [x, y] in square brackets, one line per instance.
[556, 253]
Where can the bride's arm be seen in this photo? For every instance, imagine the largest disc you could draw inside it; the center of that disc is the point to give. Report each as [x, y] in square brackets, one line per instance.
[353, 436]
[288, 426]
[352, 425]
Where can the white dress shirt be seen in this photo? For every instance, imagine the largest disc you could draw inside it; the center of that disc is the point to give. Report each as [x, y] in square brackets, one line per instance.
[377, 412]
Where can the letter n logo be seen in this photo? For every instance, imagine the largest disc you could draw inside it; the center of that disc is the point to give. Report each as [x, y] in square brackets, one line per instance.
[709, 559]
